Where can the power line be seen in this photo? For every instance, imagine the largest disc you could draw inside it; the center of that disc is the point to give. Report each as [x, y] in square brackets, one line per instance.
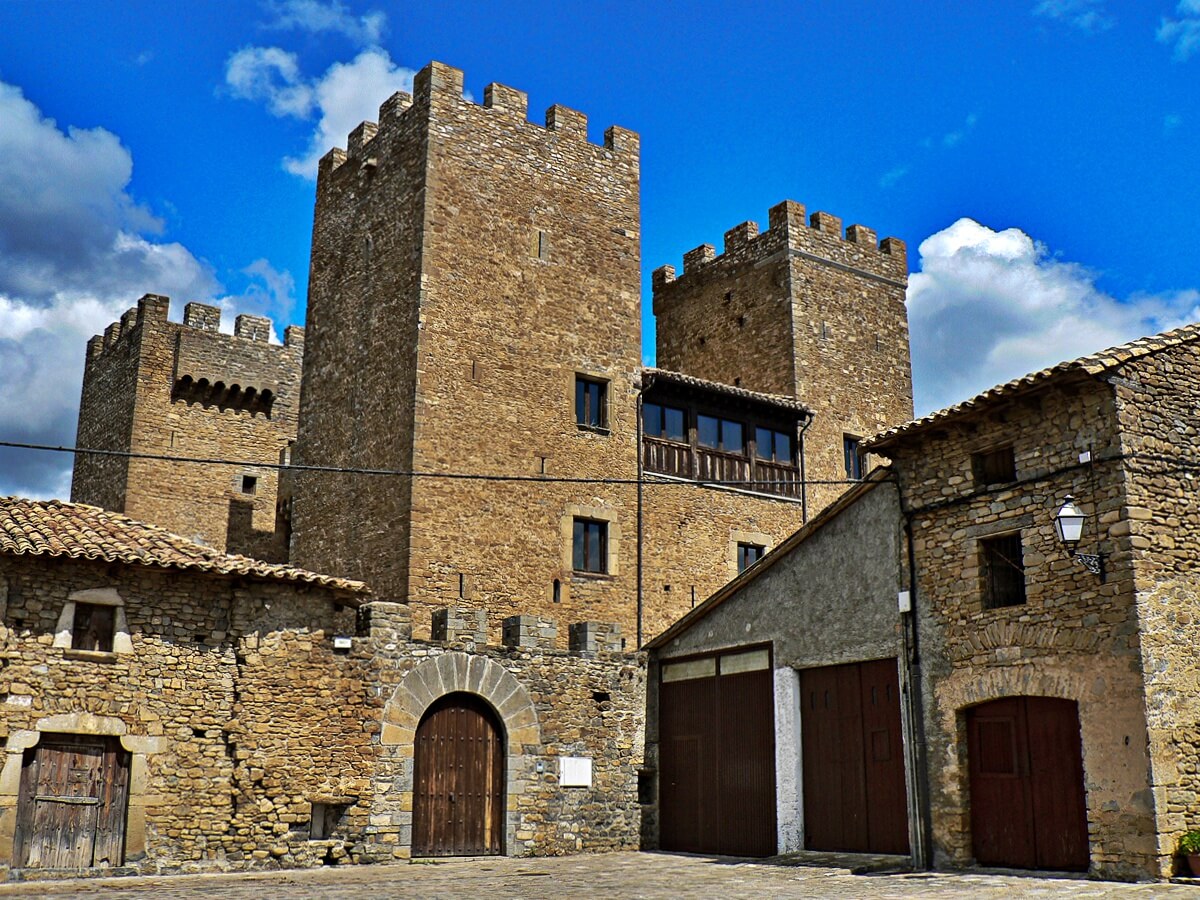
[456, 476]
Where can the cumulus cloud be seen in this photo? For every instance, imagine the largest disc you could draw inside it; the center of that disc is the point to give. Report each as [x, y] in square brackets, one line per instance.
[345, 95]
[988, 306]
[1183, 33]
[317, 18]
[1088, 16]
[76, 250]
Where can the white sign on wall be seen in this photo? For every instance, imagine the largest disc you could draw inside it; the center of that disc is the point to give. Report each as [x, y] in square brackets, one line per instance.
[575, 771]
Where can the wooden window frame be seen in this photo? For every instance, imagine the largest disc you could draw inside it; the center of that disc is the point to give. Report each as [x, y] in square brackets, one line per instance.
[581, 557]
[586, 404]
[662, 435]
[745, 549]
[997, 465]
[1000, 556]
[93, 627]
[853, 457]
[722, 421]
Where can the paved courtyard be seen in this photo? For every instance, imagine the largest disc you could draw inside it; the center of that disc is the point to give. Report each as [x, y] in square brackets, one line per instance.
[608, 876]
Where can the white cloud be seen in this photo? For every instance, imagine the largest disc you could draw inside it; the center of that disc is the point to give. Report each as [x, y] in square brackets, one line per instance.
[954, 138]
[76, 250]
[989, 306]
[345, 95]
[316, 17]
[1088, 16]
[892, 176]
[1183, 32]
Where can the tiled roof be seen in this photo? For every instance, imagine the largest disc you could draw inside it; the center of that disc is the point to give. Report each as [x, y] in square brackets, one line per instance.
[651, 375]
[1095, 364]
[55, 528]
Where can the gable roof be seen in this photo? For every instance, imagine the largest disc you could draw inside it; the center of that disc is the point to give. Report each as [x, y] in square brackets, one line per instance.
[1093, 365]
[75, 530]
[773, 557]
[651, 376]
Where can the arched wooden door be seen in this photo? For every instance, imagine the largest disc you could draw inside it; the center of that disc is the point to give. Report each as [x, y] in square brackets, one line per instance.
[458, 780]
[1025, 761]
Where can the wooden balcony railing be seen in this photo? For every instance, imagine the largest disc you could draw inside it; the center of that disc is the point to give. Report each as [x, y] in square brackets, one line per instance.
[705, 464]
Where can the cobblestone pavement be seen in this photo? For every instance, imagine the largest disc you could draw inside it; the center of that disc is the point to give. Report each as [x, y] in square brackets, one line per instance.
[613, 875]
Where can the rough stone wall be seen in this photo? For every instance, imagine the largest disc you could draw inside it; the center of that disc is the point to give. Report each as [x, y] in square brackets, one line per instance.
[820, 314]
[1157, 398]
[131, 401]
[1074, 637]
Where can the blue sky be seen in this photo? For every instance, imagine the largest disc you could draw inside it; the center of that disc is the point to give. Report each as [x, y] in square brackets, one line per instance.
[1038, 157]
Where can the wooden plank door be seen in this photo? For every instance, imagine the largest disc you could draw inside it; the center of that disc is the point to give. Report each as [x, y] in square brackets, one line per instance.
[746, 781]
[1025, 764]
[72, 804]
[883, 757]
[458, 781]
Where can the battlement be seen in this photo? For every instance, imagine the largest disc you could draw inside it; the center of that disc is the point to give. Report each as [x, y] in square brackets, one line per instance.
[821, 235]
[453, 624]
[439, 83]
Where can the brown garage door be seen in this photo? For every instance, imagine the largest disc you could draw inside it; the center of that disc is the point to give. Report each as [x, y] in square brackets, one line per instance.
[717, 755]
[71, 808]
[1025, 761]
[458, 780]
[853, 758]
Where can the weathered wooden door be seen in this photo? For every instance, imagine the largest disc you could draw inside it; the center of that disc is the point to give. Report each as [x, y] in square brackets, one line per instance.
[72, 803]
[853, 758]
[458, 781]
[717, 755]
[1025, 760]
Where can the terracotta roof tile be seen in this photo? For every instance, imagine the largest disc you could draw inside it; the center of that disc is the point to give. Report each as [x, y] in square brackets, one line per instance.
[1095, 364]
[650, 375]
[55, 528]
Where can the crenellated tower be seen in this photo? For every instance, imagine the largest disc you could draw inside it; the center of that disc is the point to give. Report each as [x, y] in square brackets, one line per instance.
[156, 387]
[801, 309]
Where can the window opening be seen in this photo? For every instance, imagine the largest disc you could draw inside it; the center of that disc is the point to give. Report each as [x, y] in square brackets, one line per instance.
[590, 402]
[249, 484]
[748, 555]
[995, 466]
[854, 456]
[720, 434]
[589, 550]
[665, 422]
[93, 627]
[773, 446]
[557, 591]
[1003, 569]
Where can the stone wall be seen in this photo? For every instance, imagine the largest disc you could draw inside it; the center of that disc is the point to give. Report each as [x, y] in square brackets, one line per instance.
[802, 310]
[185, 389]
[1074, 637]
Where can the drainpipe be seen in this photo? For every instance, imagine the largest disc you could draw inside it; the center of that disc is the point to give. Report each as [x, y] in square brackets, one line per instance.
[641, 388]
[803, 477]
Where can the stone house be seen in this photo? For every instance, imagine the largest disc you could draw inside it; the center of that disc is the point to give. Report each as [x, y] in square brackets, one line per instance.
[1062, 699]
[171, 708]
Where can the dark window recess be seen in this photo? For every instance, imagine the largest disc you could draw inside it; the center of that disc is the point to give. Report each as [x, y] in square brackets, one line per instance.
[855, 457]
[664, 422]
[93, 628]
[645, 788]
[326, 817]
[1003, 571]
[774, 446]
[590, 405]
[249, 484]
[601, 696]
[589, 547]
[997, 466]
[247, 399]
[748, 555]
[557, 591]
[720, 434]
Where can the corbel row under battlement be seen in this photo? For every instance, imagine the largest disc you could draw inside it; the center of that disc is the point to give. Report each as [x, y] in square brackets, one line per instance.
[820, 236]
[438, 81]
[452, 624]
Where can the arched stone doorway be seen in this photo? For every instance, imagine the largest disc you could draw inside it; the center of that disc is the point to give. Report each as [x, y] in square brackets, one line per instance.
[458, 779]
[1025, 764]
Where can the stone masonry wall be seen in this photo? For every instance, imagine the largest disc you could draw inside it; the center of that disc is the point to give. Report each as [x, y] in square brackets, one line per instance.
[184, 389]
[1157, 398]
[801, 310]
[1074, 637]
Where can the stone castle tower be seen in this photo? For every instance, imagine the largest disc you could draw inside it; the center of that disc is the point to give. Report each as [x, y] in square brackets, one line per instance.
[157, 387]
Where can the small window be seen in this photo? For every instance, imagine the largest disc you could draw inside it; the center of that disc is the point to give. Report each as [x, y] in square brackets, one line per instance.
[591, 402]
[773, 446]
[92, 628]
[326, 819]
[997, 466]
[748, 555]
[589, 547]
[1003, 570]
[249, 484]
[665, 422]
[720, 434]
[856, 459]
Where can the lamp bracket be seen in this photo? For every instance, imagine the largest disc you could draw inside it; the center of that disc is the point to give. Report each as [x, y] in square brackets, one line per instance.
[1093, 562]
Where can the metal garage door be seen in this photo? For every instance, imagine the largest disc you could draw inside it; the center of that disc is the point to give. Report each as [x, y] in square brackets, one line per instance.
[717, 754]
[853, 758]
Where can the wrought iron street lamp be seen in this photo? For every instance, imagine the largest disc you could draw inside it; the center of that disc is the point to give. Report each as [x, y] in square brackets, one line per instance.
[1068, 525]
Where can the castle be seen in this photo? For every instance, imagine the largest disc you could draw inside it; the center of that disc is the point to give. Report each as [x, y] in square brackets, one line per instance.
[473, 326]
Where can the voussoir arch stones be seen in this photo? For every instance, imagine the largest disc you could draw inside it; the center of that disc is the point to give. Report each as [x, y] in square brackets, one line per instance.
[453, 672]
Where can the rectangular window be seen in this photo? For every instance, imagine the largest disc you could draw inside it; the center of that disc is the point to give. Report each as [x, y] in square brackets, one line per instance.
[773, 446]
[720, 434]
[1003, 570]
[748, 555]
[589, 546]
[664, 422]
[92, 628]
[591, 404]
[855, 458]
[996, 466]
[249, 484]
